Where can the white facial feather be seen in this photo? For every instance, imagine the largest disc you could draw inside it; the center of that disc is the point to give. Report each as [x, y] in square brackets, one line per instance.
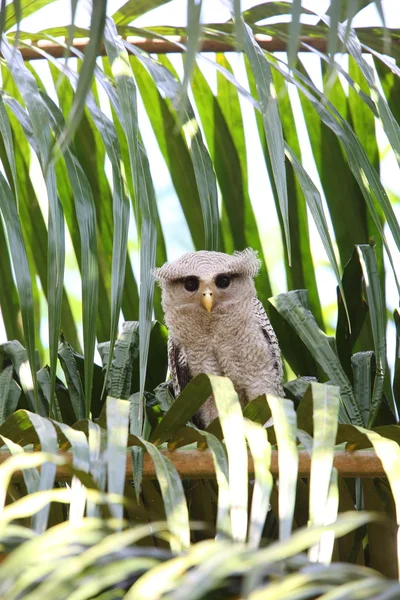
[218, 326]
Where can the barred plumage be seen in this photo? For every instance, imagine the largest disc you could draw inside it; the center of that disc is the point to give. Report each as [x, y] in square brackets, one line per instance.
[217, 325]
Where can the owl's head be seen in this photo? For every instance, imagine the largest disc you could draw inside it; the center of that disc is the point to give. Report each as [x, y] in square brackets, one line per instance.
[208, 281]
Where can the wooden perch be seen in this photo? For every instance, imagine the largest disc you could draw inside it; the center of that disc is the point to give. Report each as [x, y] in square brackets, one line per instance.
[157, 46]
[198, 464]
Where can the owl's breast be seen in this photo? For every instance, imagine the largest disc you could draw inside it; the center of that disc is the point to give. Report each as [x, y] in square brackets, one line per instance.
[197, 333]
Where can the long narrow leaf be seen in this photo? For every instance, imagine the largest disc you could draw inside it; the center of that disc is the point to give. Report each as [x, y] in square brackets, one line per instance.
[117, 437]
[362, 370]
[292, 307]
[86, 218]
[192, 46]
[232, 425]
[173, 496]
[284, 418]
[56, 238]
[22, 274]
[48, 441]
[325, 417]
[97, 23]
[272, 123]
[223, 524]
[376, 310]
[73, 379]
[294, 32]
[9, 393]
[260, 449]
[315, 205]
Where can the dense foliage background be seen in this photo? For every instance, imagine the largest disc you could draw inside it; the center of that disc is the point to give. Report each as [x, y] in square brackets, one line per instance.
[78, 185]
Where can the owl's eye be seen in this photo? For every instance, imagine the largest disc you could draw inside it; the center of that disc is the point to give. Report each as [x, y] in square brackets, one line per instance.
[222, 281]
[191, 284]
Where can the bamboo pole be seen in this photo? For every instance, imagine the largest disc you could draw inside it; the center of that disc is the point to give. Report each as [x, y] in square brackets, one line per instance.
[198, 464]
[158, 46]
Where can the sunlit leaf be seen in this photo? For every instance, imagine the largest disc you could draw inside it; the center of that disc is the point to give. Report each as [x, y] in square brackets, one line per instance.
[325, 417]
[284, 420]
[260, 449]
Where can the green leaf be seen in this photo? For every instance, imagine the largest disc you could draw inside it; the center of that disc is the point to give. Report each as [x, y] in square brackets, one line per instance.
[23, 460]
[185, 406]
[48, 442]
[303, 538]
[173, 148]
[272, 124]
[120, 199]
[334, 14]
[362, 374]
[340, 187]
[345, 338]
[9, 301]
[142, 182]
[86, 219]
[166, 81]
[202, 165]
[293, 349]
[194, 31]
[72, 376]
[325, 420]
[389, 123]
[221, 118]
[301, 273]
[23, 280]
[270, 9]
[97, 450]
[158, 360]
[31, 216]
[79, 446]
[221, 466]
[134, 9]
[232, 425]
[117, 437]
[168, 576]
[396, 379]
[173, 497]
[97, 25]
[9, 393]
[5, 130]
[24, 7]
[293, 307]
[314, 203]
[91, 155]
[361, 167]
[125, 352]
[284, 419]
[260, 449]
[257, 411]
[388, 452]
[31, 476]
[296, 388]
[294, 32]
[377, 314]
[56, 242]
[19, 358]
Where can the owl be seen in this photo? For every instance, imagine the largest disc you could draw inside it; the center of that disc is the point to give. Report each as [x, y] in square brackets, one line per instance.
[218, 326]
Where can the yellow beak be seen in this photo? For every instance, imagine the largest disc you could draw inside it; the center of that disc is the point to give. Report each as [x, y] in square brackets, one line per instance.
[207, 301]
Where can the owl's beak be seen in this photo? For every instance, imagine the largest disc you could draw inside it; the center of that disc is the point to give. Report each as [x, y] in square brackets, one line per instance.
[207, 300]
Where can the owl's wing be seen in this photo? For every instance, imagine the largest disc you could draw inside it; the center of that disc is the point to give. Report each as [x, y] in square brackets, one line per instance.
[272, 341]
[179, 366]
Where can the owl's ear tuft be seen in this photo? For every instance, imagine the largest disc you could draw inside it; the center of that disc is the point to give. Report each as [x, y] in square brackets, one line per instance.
[248, 262]
[156, 274]
[163, 274]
